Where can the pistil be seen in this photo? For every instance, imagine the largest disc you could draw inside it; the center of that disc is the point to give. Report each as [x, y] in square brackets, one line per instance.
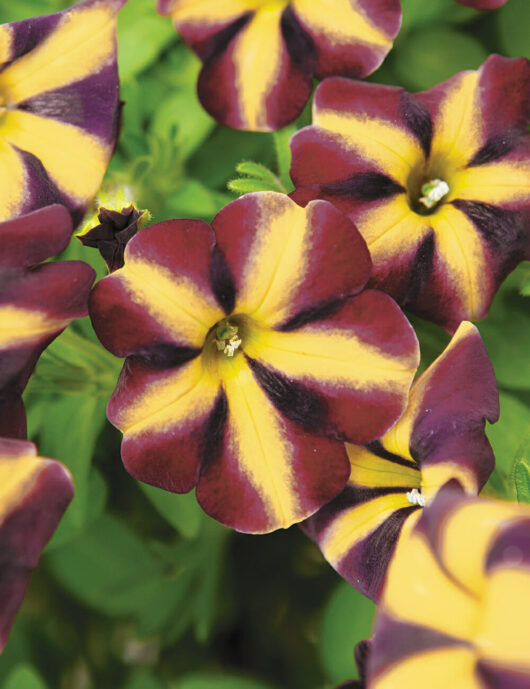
[415, 497]
[227, 338]
[433, 192]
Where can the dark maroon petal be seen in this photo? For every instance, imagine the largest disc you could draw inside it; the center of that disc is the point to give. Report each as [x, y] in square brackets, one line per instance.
[495, 677]
[511, 547]
[32, 238]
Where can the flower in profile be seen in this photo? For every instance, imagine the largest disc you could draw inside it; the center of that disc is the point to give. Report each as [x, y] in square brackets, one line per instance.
[59, 107]
[259, 56]
[437, 182]
[455, 609]
[34, 493]
[36, 301]
[251, 352]
[115, 230]
[439, 437]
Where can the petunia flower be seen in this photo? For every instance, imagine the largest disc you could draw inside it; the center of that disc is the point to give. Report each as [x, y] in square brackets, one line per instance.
[259, 56]
[455, 610]
[439, 437]
[36, 301]
[110, 237]
[34, 493]
[59, 107]
[438, 182]
[251, 351]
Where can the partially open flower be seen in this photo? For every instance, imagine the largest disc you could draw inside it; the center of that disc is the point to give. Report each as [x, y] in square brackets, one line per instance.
[34, 493]
[36, 301]
[455, 610]
[259, 56]
[439, 437]
[437, 182]
[251, 353]
[59, 107]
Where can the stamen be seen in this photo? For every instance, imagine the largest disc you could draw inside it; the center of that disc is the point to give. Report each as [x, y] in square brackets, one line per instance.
[227, 340]
[415, 497]
[433, 192]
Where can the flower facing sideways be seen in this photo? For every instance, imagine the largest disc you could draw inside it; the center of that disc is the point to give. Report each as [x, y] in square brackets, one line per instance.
[440, 436]
[438, 182]
[34, 493]
[259, 56]
[455, 611]
[59, 107]
[37, 302]
[251, 352]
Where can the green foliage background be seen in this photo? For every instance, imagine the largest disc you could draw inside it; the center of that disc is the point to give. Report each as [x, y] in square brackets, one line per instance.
[138, 589]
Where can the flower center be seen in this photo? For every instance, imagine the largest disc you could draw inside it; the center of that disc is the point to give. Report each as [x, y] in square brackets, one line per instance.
[416, 497]
[226, 337]
[433, 192]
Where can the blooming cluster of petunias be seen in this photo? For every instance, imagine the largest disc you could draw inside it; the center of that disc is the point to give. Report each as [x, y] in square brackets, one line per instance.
[268, 363]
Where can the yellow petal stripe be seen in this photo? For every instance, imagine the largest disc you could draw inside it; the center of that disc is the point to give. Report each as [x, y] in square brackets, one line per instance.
[340, 21]
[215, 11]
[496, 183]
[22, 326]
[328, 355]
[258, 54]
[17, 477]
[434, 476]
[264, 454]
[418, 591]
[177, 397]
[173, 301]
[443, 668]
[6, 43]
[80, 45]
[457, 131]
[276, 264]
[467, 535]
[371, 471]
[394, 150]
[458, 246]
[12, 180]
[391, 228]
[355, 524]
[74, 160]
[505, 627]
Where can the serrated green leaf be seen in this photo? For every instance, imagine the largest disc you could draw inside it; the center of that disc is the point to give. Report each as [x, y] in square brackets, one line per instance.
[347, 619]
[521, 479]
[24, 677]
[424, 59]
[181, 511]
[258, 171]
[247, 186]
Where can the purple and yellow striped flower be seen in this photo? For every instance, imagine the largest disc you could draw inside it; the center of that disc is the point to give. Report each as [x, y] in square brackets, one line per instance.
[455, 611]
[438, 182]
[251, 351]
[34, 493]
[259, 56]
[439, 437]
[59, 107]
[36, 301]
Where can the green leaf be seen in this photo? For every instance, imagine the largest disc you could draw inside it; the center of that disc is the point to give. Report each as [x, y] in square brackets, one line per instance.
[521, 469]
[505, 331]
[514, 20]
[194, 200]
[524, 289]
[281, 139]
[246, 186]
[24, 677]
[347, 619]
[142, 35]
[181, 511]
[143, 679]
[429, 55]
[258, 171]
[211, 681]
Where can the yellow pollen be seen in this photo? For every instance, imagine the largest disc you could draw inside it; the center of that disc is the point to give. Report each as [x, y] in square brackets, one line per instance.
[433, 192]
[227, 339]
